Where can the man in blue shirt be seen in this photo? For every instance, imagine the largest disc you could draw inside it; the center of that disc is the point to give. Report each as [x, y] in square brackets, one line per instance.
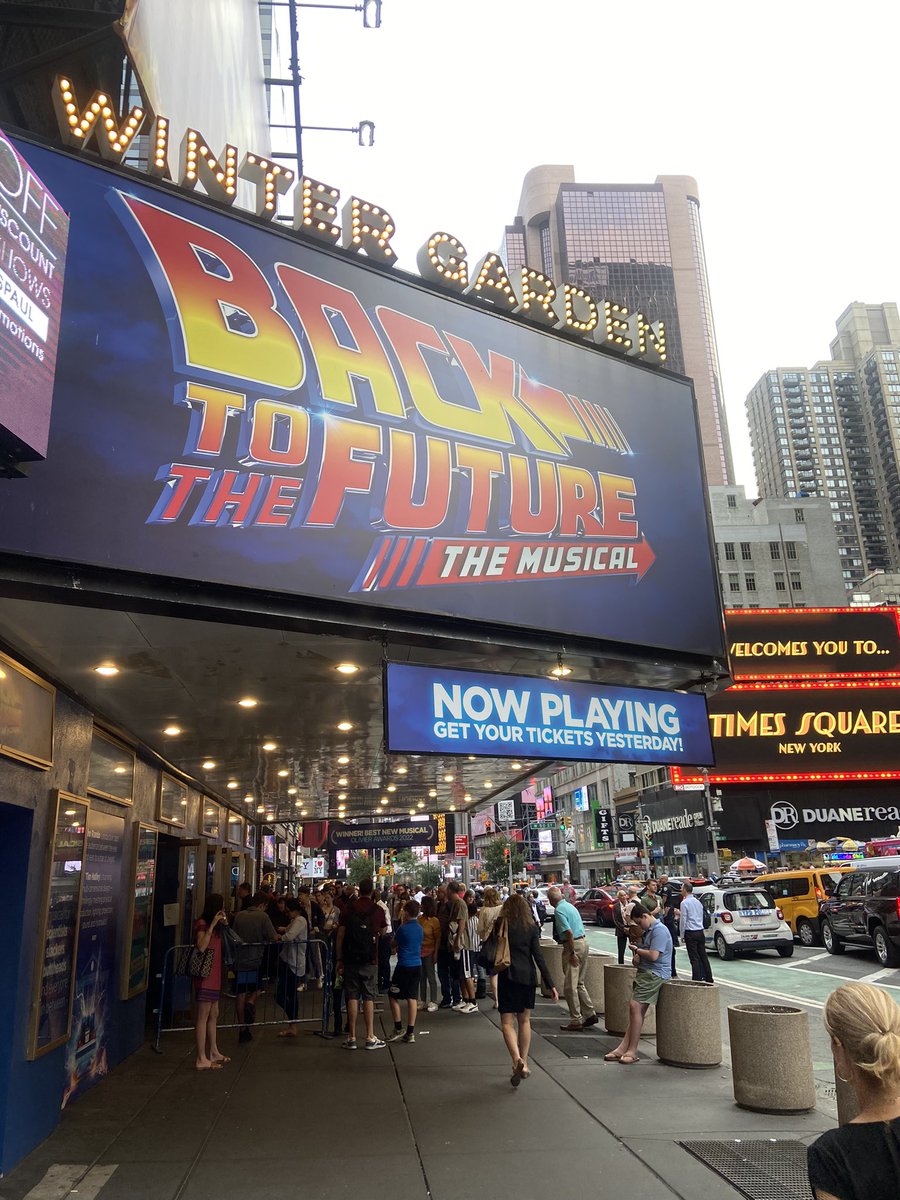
[653, 959]
[568, 929]
[693, 934]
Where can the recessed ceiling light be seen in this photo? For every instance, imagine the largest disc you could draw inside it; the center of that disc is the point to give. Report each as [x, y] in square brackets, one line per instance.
[391, 787]
[421, 804]
[467, 798]
[471, 758]
[298, 804]
[517, 766]
[106, 669]
[184, 804]
[232, 784]
[345, 726]
[208, 765]
[172, 730]
[302, 812]
[283, 774]
[449, 778]
[453, 808]
[269, 746]
[412, 812]
[342, 782]
[342, 795]
[347, 668]
[343, 760]
[260, 808]
[248, 799]
[70, 812]
[248, 702]
[383, 800]
[401, 770]
[488, 784]
[210, 812]
[292, 791]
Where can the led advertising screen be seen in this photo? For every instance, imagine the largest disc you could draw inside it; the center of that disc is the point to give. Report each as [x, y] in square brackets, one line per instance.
[238, 404]
[806, 643]
[437, 711]
[33, 233]
[787, 732]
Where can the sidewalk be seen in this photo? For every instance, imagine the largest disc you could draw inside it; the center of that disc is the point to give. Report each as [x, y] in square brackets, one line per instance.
[433, 1121]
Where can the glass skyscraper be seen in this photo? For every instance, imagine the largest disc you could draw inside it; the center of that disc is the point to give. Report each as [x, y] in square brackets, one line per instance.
[640, 245]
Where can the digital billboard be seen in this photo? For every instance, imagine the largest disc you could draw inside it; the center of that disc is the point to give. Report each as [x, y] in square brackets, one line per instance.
[33, 234]
[241, 405]
[806, 643]
[788, 732]
[433, 710]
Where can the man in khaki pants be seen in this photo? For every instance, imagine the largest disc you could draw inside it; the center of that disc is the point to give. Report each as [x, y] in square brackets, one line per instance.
[568, 929]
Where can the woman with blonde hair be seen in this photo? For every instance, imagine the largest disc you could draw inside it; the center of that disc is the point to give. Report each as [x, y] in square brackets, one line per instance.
[518, 982]
[861, 1160]
[487, 915]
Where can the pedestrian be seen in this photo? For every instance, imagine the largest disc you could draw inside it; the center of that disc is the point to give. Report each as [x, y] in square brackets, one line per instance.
[538, 908]
[253, 927]
[669, 897]
[517, 983]
[568, 930]
[408, 938]
[471, 944]
[620, 910]
[242, 897]
[861, 1160]
[457, 916]
[330, 916]
[650, 898]
[487, 916]
[384, 944]
[431, 940]
[360, 927]
[653, 959]
[292, 965]
[207, 990]
[693, 934]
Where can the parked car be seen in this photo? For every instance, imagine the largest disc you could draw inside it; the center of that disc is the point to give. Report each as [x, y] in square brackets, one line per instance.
[800, 895]
[744, 920]
[865, 909]
[596, 905]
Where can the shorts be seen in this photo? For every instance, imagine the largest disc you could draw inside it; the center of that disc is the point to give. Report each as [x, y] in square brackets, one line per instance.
[405, 983]
[360, 981]
[246, 981]
[467, 961]
[646, 987]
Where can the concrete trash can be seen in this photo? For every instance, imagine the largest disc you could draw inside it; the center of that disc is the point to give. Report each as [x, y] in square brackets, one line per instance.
[689, 1025]
[618, 983]
[771, 1060]
[552, 953]
[593, 979]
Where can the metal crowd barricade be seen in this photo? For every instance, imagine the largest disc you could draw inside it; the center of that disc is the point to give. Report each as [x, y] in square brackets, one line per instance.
[249, 967]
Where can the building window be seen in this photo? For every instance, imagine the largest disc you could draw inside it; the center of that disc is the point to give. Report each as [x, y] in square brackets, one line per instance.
[798, 516]
[790, 549]
[775, 550]
[746, 553]
[750, 583]
[796, 584]
[780, 585]
[732, 500]
[729, 551]
[734, 581]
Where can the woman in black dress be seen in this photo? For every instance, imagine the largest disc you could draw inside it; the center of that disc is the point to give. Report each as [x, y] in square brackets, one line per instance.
[861, 1160]
[516, 984]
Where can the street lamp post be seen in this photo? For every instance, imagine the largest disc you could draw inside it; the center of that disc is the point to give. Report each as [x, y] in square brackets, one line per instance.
[711, 821]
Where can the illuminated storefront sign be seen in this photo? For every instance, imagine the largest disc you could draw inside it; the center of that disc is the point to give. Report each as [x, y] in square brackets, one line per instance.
[365, 227]
[252, 409]
[439, 711]
[33, 235]
[790, 732]
[806, 643]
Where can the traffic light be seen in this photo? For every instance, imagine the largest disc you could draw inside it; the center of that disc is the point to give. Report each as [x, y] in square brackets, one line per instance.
[488, 826]
[506, 853]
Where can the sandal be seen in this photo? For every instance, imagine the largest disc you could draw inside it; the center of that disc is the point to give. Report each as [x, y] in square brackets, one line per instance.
[612, 1057]
[213, 1066]
[221, 1060]
[627, 1059]
[286, 1033]
[518, 1073]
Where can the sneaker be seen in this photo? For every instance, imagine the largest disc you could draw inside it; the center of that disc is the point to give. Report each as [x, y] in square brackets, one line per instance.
[396, 1036]
[432, 1007]
[409, 1038]
[350, 1044]
[460, 1006]
[376, 1044]
[470, 1007]
[445, 1004]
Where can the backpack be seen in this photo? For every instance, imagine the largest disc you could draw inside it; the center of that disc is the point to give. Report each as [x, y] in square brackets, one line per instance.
[359, 935]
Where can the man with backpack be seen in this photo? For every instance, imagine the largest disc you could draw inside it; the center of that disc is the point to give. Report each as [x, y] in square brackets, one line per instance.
[356, 951]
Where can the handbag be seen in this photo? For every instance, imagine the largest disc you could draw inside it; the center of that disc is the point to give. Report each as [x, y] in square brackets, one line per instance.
[195, 963]
[502, 957]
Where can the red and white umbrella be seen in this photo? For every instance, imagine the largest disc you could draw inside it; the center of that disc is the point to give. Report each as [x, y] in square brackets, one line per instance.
[748, 864]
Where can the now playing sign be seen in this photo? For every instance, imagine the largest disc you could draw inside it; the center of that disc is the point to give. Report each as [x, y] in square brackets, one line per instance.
[433, 710]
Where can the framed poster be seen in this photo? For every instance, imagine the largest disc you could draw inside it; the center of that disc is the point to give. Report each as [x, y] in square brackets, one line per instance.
[51, 1009]
[250, 842]
[27, 705]
[212, 818]
[172, 801]
[111, 772]
[234, 828]
[136, 958]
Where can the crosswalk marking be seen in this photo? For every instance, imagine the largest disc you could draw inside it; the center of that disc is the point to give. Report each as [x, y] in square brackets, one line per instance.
[72, 1179]
[876, 975]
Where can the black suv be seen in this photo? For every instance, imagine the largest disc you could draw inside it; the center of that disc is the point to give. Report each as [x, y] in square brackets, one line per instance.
[865, 907]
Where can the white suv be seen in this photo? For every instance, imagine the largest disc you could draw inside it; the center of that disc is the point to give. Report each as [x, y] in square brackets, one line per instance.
[744, 920]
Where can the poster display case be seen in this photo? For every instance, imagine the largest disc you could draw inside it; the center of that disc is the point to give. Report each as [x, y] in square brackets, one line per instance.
[136, 958]
[111, 773]
[27, 706]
